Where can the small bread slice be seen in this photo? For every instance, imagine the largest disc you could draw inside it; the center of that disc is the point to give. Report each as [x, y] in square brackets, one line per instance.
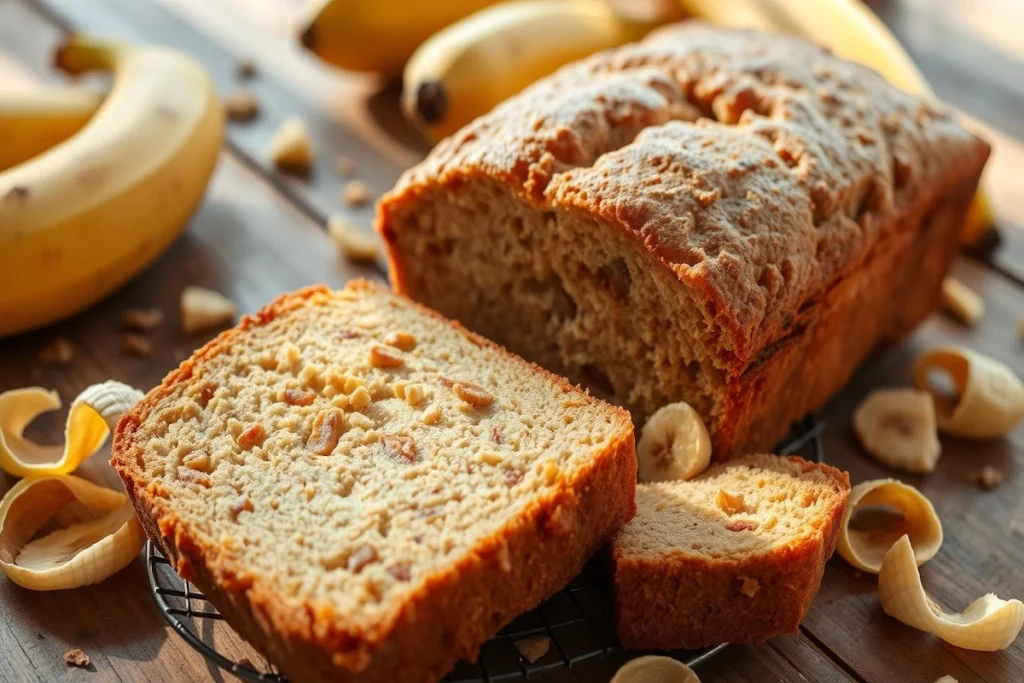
[365, 490]
[734, 555]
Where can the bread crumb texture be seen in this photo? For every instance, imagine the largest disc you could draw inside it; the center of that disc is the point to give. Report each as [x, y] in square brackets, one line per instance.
[340, 448]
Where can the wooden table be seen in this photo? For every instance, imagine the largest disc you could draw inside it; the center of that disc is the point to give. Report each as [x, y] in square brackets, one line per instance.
[259, 233]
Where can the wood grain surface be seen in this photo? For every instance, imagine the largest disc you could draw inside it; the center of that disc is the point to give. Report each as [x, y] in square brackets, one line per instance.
[259, 233]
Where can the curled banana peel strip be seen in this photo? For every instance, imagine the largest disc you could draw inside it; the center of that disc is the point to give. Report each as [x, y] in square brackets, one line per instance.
[866, 550]
[988, 624]
[990, 396]
[97, 532]
[93, 416]
[850, 30]
[655, 669]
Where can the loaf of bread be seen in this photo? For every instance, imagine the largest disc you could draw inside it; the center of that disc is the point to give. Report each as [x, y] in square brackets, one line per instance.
[734, 555]
[720, 217]
[365, 490]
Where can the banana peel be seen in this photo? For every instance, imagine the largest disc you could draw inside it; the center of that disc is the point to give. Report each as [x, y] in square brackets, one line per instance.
[851, 31]
[98, 533]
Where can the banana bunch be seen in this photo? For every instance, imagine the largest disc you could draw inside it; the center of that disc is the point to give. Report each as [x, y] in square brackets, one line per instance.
[57, 530]
[79, 219]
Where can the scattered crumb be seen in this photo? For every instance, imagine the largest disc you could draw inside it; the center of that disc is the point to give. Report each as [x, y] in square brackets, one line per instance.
[57, 352]
[246, 69]
[40, 636]
[76, 658]
[946, 679]
[241, 105]
[355, 244]
[749, 586]
[136, 345]
[290, 148]
[345, 167]
[356, 193]
[988, 477]
[961, 301]
[205, 309]
[533, 648]
[142, 319]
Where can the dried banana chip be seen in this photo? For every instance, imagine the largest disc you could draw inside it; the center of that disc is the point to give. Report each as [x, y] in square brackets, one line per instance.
[93, 415]
[865, 550]
[989, 397]
[897, 427]
[655, 669]
[674, 444]
[97, 535]
[988, 624]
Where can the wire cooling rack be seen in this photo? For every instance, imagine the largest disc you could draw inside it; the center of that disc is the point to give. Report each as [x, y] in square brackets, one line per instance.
[577, 621]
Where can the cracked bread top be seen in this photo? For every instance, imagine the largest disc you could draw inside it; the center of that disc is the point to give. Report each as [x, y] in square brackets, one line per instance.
[338, 452]
[758, 168]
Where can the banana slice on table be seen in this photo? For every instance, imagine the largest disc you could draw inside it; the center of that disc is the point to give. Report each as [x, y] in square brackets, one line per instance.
[897, 427]
[674, 444]
[989, 399]
[99, 532]
[93, 416]
[655, 669]
[865, 550]
[988, 624]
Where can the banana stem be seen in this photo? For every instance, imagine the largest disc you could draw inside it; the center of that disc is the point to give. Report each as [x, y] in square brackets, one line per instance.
[79, 54]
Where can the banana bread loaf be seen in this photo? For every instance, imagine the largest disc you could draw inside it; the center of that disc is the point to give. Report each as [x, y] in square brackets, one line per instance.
[721, 217]
[367, 491]
[734, 555]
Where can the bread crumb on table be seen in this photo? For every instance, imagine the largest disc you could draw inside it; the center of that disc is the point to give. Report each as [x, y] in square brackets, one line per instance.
[241, 105]
[356, 244]
[291, 148]
[204, 309]
[988, 477]
[246, 69]
[961, 301]
[142, 319]
[77, 658]
[533, 648]
[135, 344]
[58, 352]
[356, 193]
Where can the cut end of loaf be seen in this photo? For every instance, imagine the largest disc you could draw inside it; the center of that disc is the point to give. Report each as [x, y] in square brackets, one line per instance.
[350, 457]
[734, 555]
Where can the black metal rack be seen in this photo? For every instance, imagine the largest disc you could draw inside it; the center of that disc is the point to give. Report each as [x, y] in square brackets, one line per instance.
[578, 620]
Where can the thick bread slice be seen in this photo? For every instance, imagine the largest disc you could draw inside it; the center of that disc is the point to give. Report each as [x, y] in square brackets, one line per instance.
[367, 491]
[734, 555]
[697, 217]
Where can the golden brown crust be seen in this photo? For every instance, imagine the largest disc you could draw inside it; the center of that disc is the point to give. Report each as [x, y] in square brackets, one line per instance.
[685, 601]
[455, 610]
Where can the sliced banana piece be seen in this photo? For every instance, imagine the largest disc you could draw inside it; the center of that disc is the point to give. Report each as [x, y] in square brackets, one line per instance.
[865, 550]
[98, 532]
[897, 427]
[988, 624]
[93, 415]
[655, 669]
[674, 444]
[989, 397]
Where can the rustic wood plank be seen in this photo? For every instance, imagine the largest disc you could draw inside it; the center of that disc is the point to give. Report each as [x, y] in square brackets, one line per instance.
[983, 549]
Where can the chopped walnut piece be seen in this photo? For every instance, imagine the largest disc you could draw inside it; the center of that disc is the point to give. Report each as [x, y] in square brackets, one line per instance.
[381, 357]
[742, 525]
[241, 105]
[253, 436]
[400, 572]
[58, 352]
[206, 393]
[988, 477]
[245, 69]
[474, 395]
[533, 648]
[513, 477]
[398, 447]
[401, 340]
[356, 193]
[142, 319]
[363, 556]
[749, 586]
[242, 504]
[296, 397]
[327, 427]
[730, 503]
[191, 476]
[77, 658]
[136, 345]
[496, 434]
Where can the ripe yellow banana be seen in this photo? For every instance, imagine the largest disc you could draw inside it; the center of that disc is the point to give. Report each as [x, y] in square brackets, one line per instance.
[378, 35]
[850, 30]
[79, 220]
[33, 122]
[466, 69]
